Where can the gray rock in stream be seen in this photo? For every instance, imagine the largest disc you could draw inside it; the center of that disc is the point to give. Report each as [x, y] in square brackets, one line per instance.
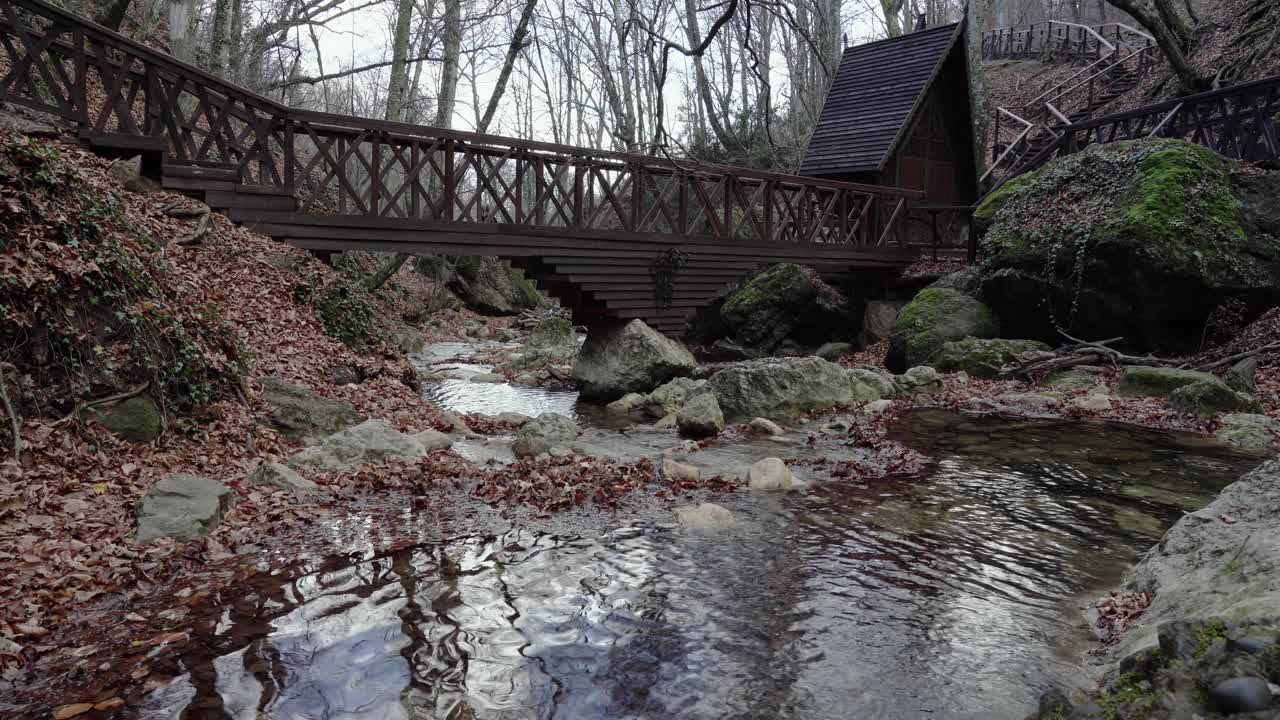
[542, 433]
[700, 416]
[182, 507]
[779, 389]
[1205, 566]
[368, 443]
[620, 358]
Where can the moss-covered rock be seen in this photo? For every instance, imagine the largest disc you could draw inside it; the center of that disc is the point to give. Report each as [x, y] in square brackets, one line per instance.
[779, 389]
[784, 301]
[136, 419]
[407, 339]
[982, 357]
[1158, 381]
[1250, 431]
[301, 415]
[489, 285]
[1207, 398]
[700, 416]
[552, 332]
[934, 317]
[350, 314]
[1137, 239]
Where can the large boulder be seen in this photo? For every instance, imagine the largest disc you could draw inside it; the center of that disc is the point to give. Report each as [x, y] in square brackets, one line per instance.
[543, 433]
[784, 301]
[669, 397]
[136, 419]
[1207, 398]
[701, 416]
[183, 507]
[303, 416]
[1251, 431]
[779, 388]
[1138, 239]
[619, 358]
[489, 285]
[936, 316]
[370, 442]
[879, 318]
[1158, 381]
[982, 357]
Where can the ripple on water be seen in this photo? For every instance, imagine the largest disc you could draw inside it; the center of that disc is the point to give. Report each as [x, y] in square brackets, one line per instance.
[941, 595]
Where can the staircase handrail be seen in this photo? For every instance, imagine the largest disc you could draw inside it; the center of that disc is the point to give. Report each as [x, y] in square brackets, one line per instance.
[1097, 36]
[1074, 75]
[1106, 70]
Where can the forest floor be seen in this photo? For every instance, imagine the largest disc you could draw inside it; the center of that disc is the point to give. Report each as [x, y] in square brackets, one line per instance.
[88, 615]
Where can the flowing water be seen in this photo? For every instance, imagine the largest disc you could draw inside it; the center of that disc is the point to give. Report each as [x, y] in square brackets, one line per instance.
[949, 595]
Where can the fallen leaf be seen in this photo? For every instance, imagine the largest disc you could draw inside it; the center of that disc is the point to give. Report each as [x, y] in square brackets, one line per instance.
[69, 711]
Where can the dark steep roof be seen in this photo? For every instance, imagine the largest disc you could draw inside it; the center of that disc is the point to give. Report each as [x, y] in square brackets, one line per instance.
[876, 88]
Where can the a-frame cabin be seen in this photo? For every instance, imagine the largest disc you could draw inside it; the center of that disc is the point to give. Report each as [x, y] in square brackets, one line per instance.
[898, 114]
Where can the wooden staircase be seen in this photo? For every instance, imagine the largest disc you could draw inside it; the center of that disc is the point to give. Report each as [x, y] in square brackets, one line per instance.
[1118, 66]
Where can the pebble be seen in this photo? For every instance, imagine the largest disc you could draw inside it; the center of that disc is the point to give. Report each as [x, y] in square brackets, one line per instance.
[1253, 644]
[1241, 695]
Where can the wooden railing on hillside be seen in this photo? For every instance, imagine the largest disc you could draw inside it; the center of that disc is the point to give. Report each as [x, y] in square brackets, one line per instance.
[120, 92]
[1020, 133]
[1240, 122]
[1060, 40]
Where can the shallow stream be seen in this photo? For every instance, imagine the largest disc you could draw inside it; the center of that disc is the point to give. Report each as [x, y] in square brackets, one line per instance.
[951, 595]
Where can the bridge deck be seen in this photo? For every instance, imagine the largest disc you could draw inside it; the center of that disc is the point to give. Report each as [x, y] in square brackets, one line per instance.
[601, 230]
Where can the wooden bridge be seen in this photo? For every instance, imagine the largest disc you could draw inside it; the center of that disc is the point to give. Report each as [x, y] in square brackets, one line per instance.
[612, 235]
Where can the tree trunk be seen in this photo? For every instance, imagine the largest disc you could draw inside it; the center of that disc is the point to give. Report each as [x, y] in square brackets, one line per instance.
[218, 38]
[112, 17]
[445, 101]
[513, 52]
[182, 25]
[1172, 42]
[399, 54]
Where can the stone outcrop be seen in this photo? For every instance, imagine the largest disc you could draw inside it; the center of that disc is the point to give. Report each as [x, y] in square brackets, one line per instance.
[489, 285]
[280, 476]
[1207, 398]
[936, 316]
[700, 416]
[543, 433]
[982, 357]
[1157, 381]
[619, 358]
[136, 419]
[879, 318]
[1212, 623]
[1250, 431]
[922, 380]
[784, 301]
[370, 442]
[303, 416]
[1140, 240]
[779, 389]
[183, 507]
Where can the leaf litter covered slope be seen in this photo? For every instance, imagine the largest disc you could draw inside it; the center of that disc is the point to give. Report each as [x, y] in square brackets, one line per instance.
[66, 509]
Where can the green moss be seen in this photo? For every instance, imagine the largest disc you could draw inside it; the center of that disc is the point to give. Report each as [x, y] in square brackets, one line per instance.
[1127, 699]
[995, 201]
[350, 315]
[938, 315]
[780, 281]
[1212, 632]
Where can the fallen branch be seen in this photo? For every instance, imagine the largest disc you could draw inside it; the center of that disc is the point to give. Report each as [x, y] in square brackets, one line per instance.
[186, 213]
[81, 407]
[14, 428]
[1238, 357]
[203, 225]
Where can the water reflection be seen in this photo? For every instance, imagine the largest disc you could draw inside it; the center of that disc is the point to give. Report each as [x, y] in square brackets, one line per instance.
[942, 595]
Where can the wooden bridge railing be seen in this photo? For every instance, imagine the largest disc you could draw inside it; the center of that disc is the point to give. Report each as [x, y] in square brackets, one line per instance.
[118, 90]
[1061, 40]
